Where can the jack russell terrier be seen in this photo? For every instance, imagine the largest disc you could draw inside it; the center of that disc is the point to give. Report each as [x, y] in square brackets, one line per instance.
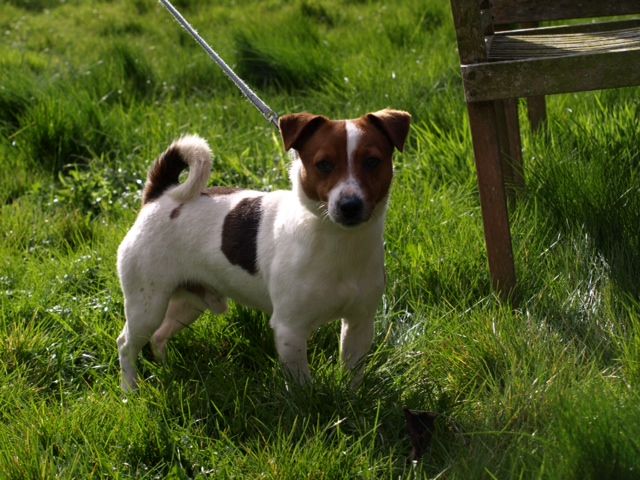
[305, 256]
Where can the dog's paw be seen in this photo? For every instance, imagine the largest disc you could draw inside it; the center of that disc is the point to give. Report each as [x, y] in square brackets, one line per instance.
[158, 349]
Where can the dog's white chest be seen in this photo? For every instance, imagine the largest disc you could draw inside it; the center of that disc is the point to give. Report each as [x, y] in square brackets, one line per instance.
[344, 297]
[319, 278]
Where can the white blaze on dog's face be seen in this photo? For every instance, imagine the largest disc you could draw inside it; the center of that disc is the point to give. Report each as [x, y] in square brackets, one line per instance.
[346, 164]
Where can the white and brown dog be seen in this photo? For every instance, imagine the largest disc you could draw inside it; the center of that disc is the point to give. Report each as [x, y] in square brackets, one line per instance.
[305, 256]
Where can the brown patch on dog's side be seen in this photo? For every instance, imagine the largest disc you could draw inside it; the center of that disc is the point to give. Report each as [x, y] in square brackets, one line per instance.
[164, 173]
[240, 234]
[176, 211]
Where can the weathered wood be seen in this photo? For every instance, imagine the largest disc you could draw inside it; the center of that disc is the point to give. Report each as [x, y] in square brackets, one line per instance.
[482, 120]
[503, 140]
[515, 47]
[514, 153]
[470, 21]
[515, 11]
[537, 112]
[498, 68]
[528, 78]
[532, 28]
[537, 106]
[508, 128]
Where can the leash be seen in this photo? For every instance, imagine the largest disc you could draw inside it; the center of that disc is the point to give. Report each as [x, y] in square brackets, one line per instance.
[267, 113]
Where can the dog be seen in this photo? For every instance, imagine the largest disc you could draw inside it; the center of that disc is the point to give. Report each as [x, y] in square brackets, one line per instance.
[305, 256]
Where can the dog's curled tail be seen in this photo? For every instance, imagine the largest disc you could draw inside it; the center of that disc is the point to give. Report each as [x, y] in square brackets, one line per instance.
[189, 151]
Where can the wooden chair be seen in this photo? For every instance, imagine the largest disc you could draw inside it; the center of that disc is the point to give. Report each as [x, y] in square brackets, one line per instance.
[500, 65]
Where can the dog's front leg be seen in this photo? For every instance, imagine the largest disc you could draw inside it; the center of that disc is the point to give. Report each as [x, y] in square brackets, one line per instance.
[356, 337]
[291, 344]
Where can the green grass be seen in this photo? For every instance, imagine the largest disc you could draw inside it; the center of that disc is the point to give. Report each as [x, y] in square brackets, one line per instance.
[92, 91]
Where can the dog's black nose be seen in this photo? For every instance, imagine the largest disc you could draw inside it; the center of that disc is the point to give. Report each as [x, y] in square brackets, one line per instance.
[351, 209]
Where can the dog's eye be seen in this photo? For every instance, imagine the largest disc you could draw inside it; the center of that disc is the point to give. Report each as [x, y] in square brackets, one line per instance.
[324, 166]
[371, 163]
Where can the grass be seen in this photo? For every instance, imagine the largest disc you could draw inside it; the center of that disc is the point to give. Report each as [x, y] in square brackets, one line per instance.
[91, 92]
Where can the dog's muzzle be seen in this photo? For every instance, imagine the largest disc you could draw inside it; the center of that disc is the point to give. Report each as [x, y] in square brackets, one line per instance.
[349, 211]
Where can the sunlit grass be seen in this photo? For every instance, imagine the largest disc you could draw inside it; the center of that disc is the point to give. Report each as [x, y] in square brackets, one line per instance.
[91, 92]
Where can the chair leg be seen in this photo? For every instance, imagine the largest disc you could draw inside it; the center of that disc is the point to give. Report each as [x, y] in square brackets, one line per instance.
[505, 148]
[515, 143]
[537, 111]
[510, 146]
[484, 131]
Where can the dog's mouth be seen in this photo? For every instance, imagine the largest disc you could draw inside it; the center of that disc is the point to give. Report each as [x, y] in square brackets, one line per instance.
[349, 222]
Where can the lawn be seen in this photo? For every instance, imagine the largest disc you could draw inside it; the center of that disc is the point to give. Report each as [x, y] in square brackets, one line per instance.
[92, 91]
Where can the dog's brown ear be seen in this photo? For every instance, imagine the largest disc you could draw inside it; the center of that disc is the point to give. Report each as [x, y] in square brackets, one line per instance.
[296, 128]
[393, 123]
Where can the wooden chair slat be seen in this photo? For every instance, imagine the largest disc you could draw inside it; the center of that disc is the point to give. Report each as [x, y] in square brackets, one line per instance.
[549, 75]
[514, 47]
[517, 11]
[577, 28]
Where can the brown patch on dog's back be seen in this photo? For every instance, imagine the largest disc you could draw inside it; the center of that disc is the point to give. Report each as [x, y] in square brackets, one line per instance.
[240, 234]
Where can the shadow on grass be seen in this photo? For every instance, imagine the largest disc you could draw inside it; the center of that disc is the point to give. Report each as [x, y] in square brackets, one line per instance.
[225, 376]
[589, 180]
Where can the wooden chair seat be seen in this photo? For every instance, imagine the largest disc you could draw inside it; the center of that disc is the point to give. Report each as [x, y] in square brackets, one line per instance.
[542, 61]
[521, 45]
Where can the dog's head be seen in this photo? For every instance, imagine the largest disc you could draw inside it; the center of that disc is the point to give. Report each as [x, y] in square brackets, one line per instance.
[345, 164]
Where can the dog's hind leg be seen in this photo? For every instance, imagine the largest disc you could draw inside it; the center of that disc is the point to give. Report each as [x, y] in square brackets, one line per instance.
[180, 314]
[144, 315]
[185, 306]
